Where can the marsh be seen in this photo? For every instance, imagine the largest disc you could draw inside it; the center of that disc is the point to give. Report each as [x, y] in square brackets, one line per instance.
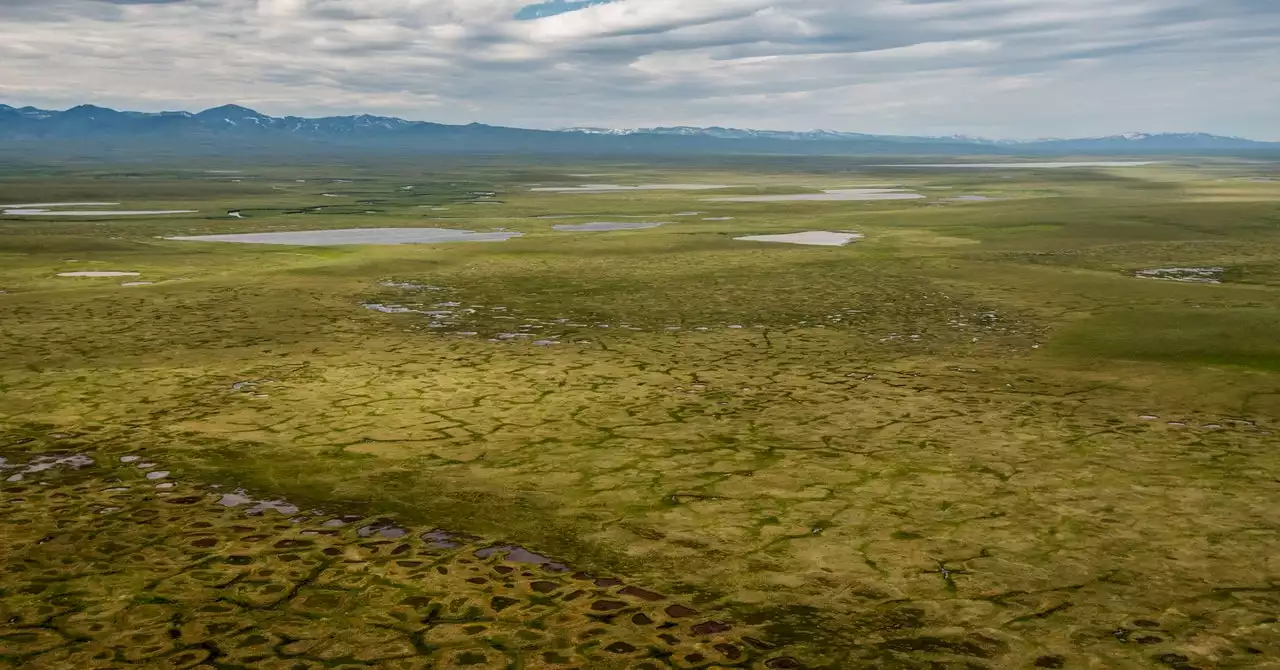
[858, 449]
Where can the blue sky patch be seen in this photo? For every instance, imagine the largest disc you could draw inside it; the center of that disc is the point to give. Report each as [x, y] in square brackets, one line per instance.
[542, 10]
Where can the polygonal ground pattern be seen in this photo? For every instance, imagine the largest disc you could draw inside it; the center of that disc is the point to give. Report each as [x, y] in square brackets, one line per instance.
[98, 573]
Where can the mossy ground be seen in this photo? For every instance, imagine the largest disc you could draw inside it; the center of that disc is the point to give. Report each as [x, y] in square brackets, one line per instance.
[971, 439]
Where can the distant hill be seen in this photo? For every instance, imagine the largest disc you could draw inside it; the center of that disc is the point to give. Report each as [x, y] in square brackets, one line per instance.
[232, 127]
[792, 135]
[1126, 142]
[1144, 142]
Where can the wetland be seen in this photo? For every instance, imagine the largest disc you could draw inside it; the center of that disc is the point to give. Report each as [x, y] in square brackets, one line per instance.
[1036, 430]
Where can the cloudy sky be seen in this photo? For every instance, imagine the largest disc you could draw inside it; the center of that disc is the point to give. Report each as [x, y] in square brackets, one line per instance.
[997, 68]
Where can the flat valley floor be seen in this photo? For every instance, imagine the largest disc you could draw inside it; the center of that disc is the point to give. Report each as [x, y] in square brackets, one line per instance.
[1027, 420]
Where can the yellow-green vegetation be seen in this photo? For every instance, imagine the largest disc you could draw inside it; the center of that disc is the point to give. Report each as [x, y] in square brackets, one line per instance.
[246, 587]
[977, 437]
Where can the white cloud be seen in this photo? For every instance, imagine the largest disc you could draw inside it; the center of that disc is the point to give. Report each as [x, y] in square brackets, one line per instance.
[994, 67]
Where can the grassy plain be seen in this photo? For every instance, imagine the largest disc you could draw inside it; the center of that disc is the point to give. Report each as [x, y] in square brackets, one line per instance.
[972, 439]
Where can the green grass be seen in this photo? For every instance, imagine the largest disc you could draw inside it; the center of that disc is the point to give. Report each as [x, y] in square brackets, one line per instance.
[926, 447]
[1244, 337]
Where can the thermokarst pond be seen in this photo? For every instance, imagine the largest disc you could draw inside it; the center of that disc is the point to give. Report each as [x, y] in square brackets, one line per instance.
[828, 195]
[96, 273]
[346, 236]
[45, 212]
[819, 238]
[1211, 275]
[43, 209]
[600, 226]
[1026, 166]
[60, 204]
[615, 188]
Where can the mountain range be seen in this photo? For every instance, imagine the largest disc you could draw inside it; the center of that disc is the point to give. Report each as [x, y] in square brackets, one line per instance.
[1125, 141]
[231, 126]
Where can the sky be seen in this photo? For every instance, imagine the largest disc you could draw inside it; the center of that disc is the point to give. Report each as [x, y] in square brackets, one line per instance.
[990, 68]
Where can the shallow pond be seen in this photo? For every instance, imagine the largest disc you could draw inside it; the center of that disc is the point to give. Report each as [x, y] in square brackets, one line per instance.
[60, 204]
[320, 238]
[819, 238]
[828, 195]
[614, 188]
[105, 212]
[1207, 275]
[599, 226]
[1048, 165]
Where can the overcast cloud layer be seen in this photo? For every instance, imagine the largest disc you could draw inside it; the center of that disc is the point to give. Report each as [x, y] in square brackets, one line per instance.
[997, 68]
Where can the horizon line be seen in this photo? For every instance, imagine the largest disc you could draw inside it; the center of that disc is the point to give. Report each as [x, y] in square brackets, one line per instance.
[581, 127]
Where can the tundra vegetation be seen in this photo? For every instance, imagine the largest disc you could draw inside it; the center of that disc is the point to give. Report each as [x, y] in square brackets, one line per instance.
[1025, 420]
